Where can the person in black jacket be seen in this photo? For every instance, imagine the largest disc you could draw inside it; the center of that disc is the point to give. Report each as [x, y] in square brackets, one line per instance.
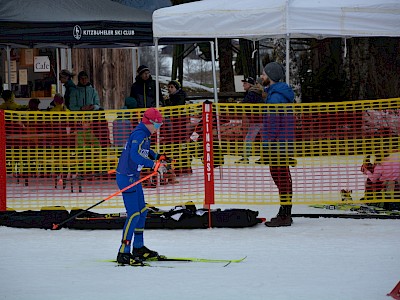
[144, 88]
[177, 95]
[253, 120]
[66, 78]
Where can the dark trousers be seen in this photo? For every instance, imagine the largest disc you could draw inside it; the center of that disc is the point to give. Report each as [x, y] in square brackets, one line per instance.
[283, 180]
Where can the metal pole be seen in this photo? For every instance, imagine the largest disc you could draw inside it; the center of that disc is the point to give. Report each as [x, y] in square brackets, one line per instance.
[135, 62]
[214, 72]
[3, 164]
[58, 69]
[8, 50]
[157, 71]
[287, 58]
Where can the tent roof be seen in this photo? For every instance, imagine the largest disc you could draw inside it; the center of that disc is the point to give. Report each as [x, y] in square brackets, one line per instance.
[102, 23]
[259, 19]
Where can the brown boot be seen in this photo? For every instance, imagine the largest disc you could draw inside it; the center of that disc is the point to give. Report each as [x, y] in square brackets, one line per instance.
[279, 221]
[284, 217]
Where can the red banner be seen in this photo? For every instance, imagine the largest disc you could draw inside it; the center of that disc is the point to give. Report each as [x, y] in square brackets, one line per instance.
[208, 153]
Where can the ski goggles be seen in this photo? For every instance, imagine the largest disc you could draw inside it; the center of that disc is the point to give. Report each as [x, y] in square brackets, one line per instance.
[155, 124]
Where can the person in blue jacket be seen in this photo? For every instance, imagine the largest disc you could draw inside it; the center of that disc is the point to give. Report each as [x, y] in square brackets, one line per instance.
[278, 138]
[135, 156]
[84, 96]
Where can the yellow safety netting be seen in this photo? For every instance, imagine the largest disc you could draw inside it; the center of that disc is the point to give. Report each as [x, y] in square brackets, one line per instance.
[64, 158]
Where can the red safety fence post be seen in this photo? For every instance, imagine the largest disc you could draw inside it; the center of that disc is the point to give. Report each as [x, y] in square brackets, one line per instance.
[208, 159]
[3, 166]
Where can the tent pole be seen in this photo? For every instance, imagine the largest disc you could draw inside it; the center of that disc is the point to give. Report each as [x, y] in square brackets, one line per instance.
[157, 71]
[157, 101]
[57, 68]
[135, 62]
[214, 72]
[287, 58]
[69, 54]
[8, 49]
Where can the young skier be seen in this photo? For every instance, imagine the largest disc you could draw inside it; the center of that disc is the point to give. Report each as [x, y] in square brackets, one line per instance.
[136, 156]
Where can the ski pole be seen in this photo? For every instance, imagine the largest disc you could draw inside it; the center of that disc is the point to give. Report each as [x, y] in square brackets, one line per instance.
[84, 176]
[58, 226]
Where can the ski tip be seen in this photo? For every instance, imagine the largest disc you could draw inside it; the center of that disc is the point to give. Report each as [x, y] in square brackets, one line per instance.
[240, 259]
[55, 227]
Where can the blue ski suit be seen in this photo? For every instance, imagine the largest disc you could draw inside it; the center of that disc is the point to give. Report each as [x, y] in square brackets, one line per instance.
[135, 156]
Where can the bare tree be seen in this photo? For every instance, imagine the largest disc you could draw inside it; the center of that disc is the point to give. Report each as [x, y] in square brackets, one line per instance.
[147, 57]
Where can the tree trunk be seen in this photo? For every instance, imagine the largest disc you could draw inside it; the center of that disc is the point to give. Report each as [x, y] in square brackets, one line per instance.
[226, 77]
[246, 50]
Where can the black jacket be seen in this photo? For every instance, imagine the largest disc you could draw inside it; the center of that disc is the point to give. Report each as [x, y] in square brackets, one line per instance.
[144, 91]
[177, 99]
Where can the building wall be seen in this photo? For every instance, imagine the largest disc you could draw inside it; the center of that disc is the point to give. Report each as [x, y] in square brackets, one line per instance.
[110, 71]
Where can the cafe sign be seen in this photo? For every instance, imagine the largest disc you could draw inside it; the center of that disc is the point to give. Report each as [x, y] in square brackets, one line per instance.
[41, 64]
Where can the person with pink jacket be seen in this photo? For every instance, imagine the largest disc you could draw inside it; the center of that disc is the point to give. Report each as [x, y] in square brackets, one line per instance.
[387, 170]
[385, 174]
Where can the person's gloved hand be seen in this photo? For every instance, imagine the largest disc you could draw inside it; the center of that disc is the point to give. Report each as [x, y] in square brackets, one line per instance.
[163, 157]
[160, 167]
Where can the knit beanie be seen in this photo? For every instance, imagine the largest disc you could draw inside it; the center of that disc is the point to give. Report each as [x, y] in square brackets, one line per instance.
[82, 74]
[152, 114]
[175, 83]
[142, 69]
[274, 71]
[66, 73]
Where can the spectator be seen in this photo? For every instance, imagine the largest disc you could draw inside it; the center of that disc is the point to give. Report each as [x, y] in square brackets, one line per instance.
[9, 102]
[58, 102]
[33, 104]
[177, 95]
[278, 133]
[253, 95]
[383, 175]
[85, 138]
[144, 88]
[130, 103]
[262, 86]
[85, 96]
[66, 78]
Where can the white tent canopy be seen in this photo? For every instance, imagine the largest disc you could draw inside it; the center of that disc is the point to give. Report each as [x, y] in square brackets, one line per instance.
[259, 19]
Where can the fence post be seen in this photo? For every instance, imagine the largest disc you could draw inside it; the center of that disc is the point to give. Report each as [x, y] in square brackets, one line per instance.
[3, 166]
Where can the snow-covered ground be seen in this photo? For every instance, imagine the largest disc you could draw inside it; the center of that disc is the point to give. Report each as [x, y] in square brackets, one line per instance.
[313, 259]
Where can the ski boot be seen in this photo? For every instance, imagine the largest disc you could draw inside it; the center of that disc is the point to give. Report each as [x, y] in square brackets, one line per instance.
[128, 259]
[144, 253]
